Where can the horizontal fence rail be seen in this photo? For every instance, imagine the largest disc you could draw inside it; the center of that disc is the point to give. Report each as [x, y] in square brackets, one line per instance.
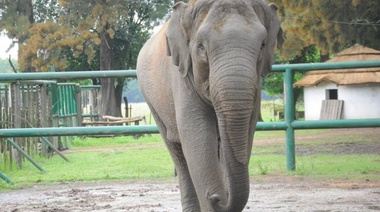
[151, 129]
[289, 125]
[72, 131]
[10, 77]
[325, 66]
[66, 75]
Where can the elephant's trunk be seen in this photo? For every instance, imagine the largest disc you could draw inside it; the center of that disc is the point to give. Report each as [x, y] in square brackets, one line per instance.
[233, 96]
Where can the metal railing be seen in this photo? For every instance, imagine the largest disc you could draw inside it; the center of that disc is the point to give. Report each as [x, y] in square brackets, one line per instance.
[289, 125]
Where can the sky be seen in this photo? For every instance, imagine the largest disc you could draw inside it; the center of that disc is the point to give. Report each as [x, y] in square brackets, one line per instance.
[4, 44]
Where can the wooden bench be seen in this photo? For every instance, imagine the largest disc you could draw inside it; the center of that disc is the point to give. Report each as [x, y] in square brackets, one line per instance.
[111, 120]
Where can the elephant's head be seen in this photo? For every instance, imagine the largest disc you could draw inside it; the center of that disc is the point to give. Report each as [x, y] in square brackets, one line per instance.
[224, 47]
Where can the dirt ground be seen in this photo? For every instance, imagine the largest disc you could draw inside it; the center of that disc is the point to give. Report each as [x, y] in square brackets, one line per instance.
[268, 193]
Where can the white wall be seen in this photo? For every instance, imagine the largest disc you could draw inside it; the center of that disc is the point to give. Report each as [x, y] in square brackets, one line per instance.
[360, 101]
[313, 97]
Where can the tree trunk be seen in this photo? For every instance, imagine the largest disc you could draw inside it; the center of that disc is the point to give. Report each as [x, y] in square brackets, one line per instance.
[119, 94]
[108, 104]
[25, 8]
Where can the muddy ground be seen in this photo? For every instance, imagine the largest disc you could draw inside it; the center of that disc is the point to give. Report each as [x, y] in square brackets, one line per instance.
[268, 193]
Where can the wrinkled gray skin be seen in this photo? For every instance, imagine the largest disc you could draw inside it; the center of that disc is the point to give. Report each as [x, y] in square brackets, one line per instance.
[200, 75]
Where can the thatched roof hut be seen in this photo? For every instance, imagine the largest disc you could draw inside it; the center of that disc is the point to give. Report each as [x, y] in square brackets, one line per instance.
[347, 76]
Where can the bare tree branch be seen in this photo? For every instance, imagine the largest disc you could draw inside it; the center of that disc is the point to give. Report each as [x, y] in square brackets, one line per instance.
[10, 62]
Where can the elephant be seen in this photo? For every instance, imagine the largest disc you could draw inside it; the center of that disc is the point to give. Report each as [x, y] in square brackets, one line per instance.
[201, 75]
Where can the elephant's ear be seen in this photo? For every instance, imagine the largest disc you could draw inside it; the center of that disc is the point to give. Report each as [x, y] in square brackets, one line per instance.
[274, 34]
[280, 37]
[176, 40]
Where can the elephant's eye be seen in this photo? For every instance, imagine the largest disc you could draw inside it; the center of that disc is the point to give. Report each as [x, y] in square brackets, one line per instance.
[201, 47]
[262, 46]
[201, 50]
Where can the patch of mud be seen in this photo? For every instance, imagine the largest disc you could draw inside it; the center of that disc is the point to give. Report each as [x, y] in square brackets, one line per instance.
[267, 194]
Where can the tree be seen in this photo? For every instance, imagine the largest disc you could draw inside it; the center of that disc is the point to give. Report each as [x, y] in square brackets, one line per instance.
[330, 25]
[273, 83]
[16, 19]
[315, 30]
[88, 35]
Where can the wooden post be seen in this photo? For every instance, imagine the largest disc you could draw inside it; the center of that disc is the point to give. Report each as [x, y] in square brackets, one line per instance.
[16, 112]
[2, 144]
[8, 124]
[43, 115]
[126, 106]
[91, 114]
[78, 99]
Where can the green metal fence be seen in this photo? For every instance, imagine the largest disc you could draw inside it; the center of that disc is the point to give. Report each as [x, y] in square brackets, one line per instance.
[66, 108]
[289, 125]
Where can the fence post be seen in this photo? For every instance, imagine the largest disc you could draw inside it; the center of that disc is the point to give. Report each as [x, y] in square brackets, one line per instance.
[19, 149]
[6, 179]
[289, 118]
[78, 107]
[47, 142]
[16, 113]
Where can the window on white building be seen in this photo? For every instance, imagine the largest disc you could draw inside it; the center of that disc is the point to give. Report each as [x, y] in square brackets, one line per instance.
[331, 94]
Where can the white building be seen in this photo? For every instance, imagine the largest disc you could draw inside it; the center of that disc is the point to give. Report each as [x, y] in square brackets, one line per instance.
[343, 94]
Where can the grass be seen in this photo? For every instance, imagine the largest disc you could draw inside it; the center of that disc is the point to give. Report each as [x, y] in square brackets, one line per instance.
[281, 134]
[137, 162]
[114, 141]
[320, 166]
[127, 158]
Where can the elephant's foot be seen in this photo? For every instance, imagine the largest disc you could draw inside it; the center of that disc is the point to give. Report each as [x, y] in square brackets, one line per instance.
[191, 207]
[189, 197]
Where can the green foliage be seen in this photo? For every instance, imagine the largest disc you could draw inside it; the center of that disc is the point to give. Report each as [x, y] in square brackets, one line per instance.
[263, 169]
[16, 18]
[45, 10]
[67, 33]
[330, 25]
[274, 82]
[83, 35]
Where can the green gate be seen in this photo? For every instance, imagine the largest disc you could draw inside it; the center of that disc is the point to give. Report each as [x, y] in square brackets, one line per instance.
[66, 108]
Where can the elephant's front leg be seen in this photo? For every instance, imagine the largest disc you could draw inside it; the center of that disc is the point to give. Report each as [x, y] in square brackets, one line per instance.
[199, 139]
[189, 198]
